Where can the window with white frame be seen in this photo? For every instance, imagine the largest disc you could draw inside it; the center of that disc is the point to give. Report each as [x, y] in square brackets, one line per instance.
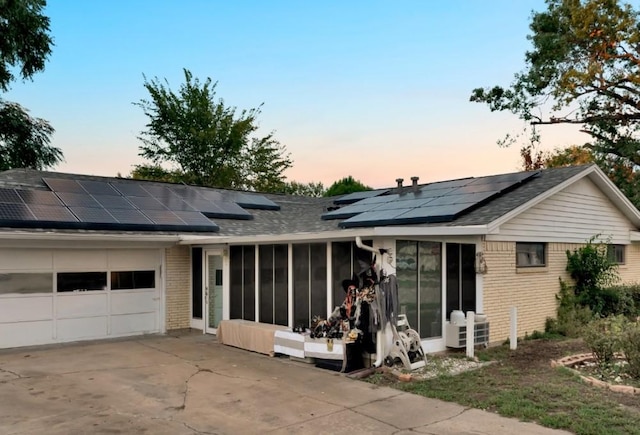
[530, 254]
[615, 253]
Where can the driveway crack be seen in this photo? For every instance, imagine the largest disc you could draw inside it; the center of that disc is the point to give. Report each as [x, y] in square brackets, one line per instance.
[186, 386]
[17, 375]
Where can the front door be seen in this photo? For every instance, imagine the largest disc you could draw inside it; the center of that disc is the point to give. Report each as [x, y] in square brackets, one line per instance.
[213, 291]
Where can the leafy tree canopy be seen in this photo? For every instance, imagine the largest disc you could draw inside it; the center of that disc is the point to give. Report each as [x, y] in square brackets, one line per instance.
[24, 140]
[304, 189]
[346, 185]
[25, 45]
[584, 69]
[206, 142]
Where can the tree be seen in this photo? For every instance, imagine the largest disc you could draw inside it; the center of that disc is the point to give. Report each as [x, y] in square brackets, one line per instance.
[207, 142]
[584, 69]
[346, 185]
[304, 189]
[25, 46]
[24, 140]
[621, 171]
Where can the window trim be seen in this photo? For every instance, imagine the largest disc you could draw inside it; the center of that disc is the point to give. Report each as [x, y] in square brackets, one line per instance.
[544, 260]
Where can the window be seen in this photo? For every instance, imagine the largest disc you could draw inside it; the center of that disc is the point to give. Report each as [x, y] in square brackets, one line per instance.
[26, 283]
[419, 274]
[242, 282]
[133, 279]
[309, 282]
[81, 281]
[615, 253]
[531, 254]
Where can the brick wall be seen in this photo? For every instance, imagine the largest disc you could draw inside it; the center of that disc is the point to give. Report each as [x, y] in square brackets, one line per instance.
[178, 286]
[532, 290]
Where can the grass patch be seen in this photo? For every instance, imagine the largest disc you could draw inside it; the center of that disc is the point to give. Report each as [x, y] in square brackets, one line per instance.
[523, 385]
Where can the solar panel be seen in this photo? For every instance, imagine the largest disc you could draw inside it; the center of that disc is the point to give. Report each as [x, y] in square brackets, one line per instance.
[147, 203]
[411, 203]
[42, 197]
[98, 187]
[357, 196]
[63, 185]
[212, 195]
[95, 215]
[468, 198]
[15, 212]
[52, 213]
[124, 216]
[433, 214]
[436, 191]
[193, 218]
[221, 209]
[254, 201]
[174, 203]
[113, 202]
[9, 196]
[370, 218]
[78, 200]
[157, 190]
[495, 187]
[348, 211]
[130, 189]
[163, 217]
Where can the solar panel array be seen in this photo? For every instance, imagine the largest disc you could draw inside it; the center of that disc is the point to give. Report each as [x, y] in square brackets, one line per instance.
[124, 205]
[357, 196]
[435, 202]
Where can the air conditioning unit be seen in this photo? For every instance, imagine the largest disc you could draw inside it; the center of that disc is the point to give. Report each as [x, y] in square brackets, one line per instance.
[456, 335]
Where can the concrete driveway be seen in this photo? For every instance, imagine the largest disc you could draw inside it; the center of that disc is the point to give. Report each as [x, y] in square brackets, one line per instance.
[191, 384]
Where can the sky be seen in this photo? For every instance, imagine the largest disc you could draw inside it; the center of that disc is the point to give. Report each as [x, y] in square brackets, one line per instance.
[377, 90]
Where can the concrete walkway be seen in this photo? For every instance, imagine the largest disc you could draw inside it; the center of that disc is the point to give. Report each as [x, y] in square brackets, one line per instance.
[191, 384]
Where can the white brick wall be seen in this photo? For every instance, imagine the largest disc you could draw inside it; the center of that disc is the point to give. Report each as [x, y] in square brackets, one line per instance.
[178, 285]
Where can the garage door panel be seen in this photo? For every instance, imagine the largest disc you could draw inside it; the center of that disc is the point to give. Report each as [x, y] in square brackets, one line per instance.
[134, 259]
[25, 309]
[81, 328]
[25, 259]
[26, 333]
[78, 260]
[138, 301]
[82, 305]
[125, 324]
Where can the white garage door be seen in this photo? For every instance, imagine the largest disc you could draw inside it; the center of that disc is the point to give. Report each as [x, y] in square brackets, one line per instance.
[52, 296]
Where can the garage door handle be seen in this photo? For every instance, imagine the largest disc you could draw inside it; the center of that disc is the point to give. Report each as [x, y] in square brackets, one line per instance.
[156, 299]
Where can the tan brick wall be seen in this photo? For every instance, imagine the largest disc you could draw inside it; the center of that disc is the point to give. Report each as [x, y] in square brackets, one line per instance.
[630, 270]
[178, 286]
[533, 290]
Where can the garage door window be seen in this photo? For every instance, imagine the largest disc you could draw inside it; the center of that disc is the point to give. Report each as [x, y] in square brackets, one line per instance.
[130, 280]
[25, 283]
[81, 281]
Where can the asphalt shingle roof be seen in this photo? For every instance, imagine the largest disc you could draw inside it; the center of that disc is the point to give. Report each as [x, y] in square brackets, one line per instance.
[303, 214]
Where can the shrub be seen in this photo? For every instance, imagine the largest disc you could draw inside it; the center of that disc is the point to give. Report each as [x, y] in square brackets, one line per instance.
[604, 336]
[590, 267]
[631, 348]
[572, 317]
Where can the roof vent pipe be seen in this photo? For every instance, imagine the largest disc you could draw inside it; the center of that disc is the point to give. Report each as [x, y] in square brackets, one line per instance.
[414, 184]
[399, 181]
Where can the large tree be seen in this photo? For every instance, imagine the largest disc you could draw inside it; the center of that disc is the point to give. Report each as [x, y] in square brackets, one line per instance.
[346, 185]
[583, 69]
[206, 142]
[25, 45]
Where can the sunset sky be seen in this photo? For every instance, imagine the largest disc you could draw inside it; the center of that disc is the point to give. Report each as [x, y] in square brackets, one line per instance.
[373, 89]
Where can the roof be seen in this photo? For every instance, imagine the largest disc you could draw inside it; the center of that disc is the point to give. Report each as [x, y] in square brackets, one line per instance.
[299, 215]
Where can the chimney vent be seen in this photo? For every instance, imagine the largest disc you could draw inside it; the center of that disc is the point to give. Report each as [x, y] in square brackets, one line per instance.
[414, 184]
[399, 181]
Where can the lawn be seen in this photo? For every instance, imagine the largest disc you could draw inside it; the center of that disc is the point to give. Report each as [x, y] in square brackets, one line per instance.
[522, 384]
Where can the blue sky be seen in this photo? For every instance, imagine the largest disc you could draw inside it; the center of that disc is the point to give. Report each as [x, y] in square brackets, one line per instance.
[373, 89]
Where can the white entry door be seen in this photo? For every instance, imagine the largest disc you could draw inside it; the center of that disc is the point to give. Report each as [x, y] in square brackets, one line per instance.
[213, 291]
